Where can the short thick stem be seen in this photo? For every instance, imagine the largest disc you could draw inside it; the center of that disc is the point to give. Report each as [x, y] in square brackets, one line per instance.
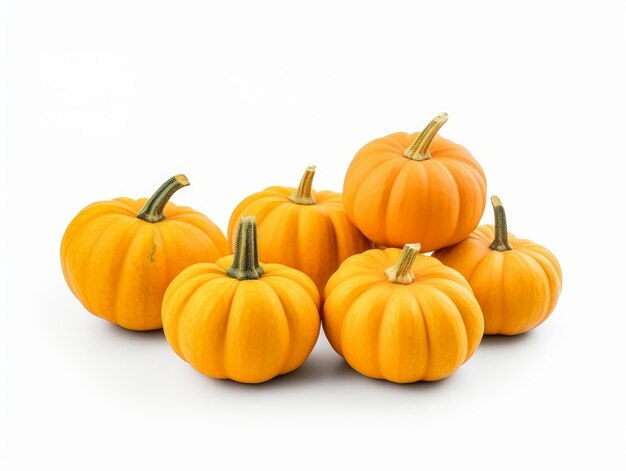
[402, 271]
[501, 241]
[246, 261]
[303, 193]
[153, 209]
[419, 149]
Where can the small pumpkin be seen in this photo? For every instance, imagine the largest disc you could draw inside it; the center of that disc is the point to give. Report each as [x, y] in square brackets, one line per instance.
[401, 316]
[119, 256]
[241, 319]
[516, 281]
[302, 228]
[406, 187]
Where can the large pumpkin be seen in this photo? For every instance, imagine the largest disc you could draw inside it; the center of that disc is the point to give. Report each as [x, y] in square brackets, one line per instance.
[407, 187]
[302, 228]
[516, 281]
[241, 319]
[119, 256]
[401, 316]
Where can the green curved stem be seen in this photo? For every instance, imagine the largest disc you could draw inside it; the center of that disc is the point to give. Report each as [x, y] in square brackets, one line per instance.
[153, 209]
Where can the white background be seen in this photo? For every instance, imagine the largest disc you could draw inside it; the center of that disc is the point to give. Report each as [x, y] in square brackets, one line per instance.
[107, 99]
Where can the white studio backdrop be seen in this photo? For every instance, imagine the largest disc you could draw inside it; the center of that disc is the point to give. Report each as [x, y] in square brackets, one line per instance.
[107, 99]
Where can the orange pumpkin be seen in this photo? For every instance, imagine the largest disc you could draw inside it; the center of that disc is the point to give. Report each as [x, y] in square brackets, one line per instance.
[517, 282]
[406, 187]
[401, 316]
[241, 319]
[119, 256]
[302, 228]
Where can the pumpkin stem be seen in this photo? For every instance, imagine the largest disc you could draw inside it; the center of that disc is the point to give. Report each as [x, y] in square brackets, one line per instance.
[419, 149]
[246, 261]
[153, 209]
[501, 241]
[402, 271]
[303, 194]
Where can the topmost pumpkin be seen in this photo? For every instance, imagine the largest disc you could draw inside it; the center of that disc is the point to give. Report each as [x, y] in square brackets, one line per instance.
[406, 187]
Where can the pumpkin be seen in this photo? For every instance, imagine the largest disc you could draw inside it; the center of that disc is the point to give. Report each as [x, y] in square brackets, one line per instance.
[517, 282]
[302, 228]
[118, 256]
[241, 319]
[401, 316]
[407, 187]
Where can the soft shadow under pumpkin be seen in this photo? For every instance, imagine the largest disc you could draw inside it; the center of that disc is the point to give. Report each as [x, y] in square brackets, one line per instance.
[417, 385]
[326, 366]
[498, 340]
[319, 367]
[155, 335]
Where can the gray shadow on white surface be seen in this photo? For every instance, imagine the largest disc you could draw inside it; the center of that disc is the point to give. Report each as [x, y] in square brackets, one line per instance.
[502, 341]
[147, 336]
[325, 365]
[320, 366]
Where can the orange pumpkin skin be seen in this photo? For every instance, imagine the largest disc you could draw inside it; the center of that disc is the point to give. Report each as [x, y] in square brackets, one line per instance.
[395, 200]
[248, 330]
[319, 235]
[517, 289]
[403, 333]
[119, 266]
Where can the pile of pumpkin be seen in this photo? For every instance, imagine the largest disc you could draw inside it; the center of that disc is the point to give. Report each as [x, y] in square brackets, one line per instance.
[352, 261]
